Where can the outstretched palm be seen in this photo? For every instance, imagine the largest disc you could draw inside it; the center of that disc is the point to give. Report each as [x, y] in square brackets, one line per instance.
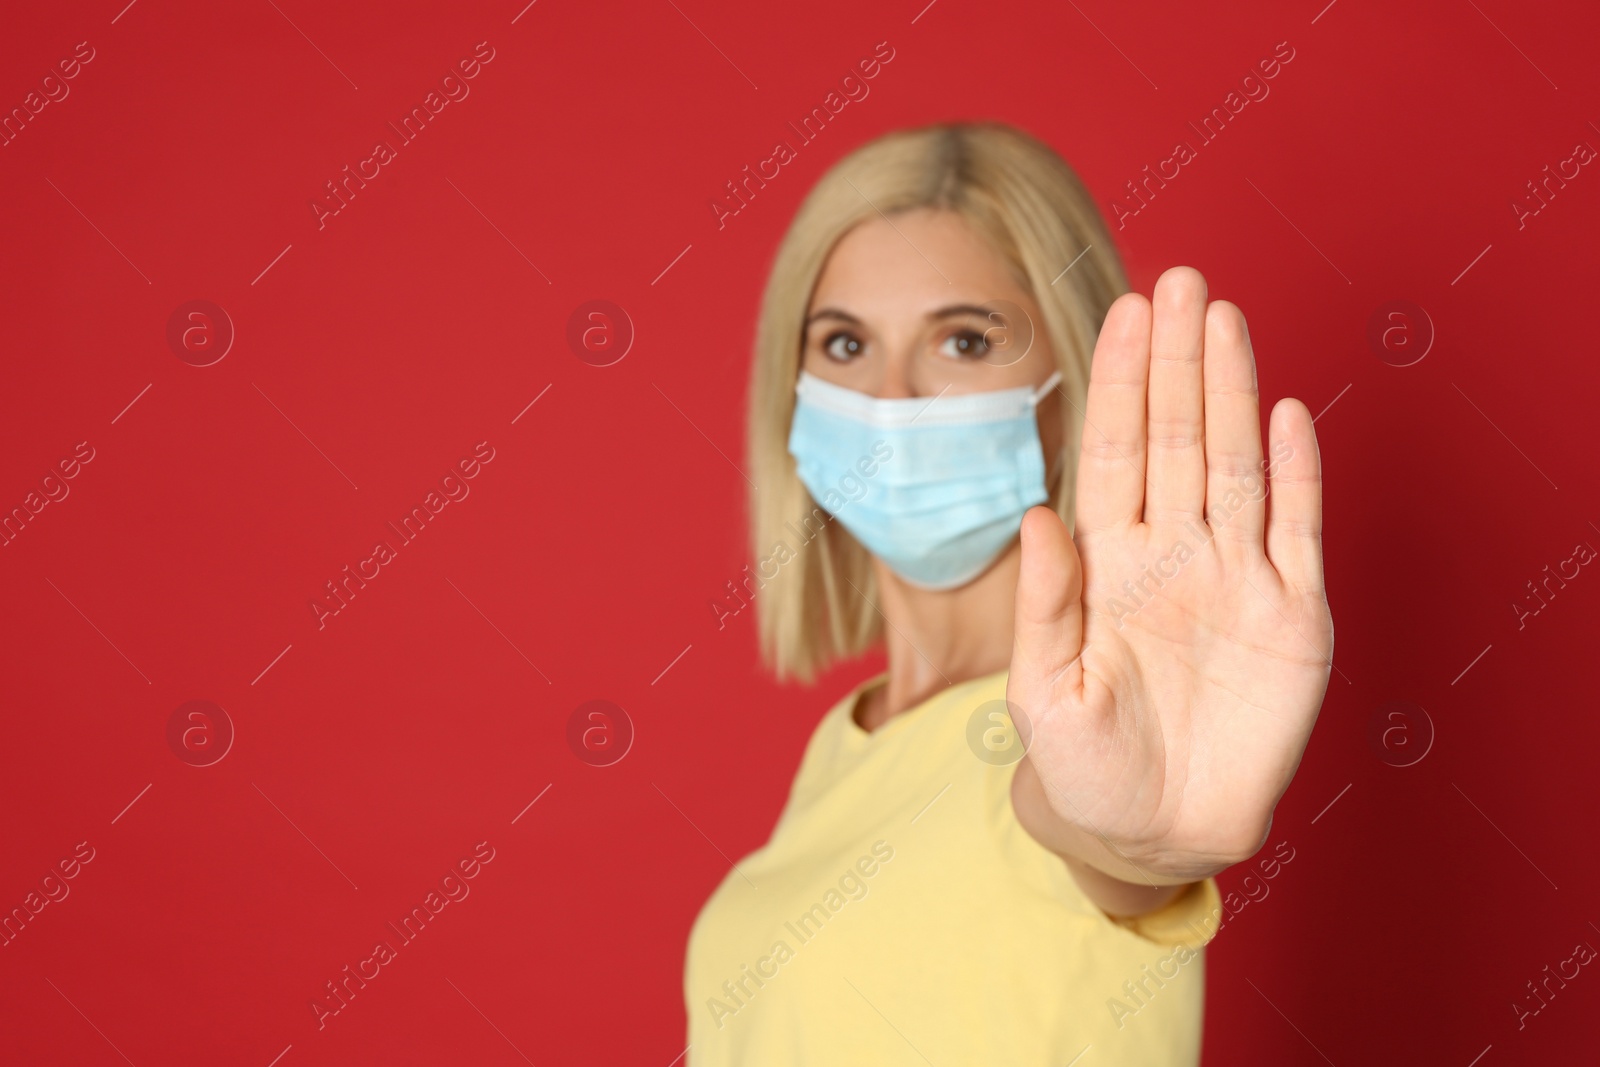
[1171, 655]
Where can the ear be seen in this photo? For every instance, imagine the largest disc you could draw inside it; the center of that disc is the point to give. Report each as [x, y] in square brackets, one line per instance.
[1059, 489]
[1055, 469]
[1057, 425]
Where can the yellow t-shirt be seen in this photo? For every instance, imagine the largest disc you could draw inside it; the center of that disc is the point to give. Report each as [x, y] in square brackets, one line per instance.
[901, 915]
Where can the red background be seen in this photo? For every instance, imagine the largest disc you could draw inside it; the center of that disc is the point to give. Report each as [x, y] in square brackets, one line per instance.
[377, 351]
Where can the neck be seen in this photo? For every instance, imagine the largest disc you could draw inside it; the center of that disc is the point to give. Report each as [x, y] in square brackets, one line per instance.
[936, 639]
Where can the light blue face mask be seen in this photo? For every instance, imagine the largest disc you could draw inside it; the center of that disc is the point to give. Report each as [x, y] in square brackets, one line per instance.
[961, 472]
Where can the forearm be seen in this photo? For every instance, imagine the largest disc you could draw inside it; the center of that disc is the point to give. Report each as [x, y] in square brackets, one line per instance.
[1110, 880]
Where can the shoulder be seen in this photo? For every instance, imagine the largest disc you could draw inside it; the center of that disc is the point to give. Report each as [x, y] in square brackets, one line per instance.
[828, 746]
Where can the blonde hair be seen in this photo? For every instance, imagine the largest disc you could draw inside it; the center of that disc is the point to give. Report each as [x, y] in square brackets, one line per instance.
[816, 599]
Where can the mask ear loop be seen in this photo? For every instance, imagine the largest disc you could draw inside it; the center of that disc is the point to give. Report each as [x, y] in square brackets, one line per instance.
[1040, 393]
[1033, 400]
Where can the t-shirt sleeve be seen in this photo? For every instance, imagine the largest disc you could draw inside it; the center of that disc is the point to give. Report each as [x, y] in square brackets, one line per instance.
[1191, 918]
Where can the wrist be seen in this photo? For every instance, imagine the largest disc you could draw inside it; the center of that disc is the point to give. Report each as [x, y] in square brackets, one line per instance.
[1119, 898]
[1084, 849]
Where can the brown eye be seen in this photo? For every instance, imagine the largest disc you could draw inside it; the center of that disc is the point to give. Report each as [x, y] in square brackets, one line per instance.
[842, 347]
[965, 344]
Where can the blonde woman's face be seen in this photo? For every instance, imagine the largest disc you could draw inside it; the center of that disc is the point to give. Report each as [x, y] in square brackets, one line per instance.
[919, 304]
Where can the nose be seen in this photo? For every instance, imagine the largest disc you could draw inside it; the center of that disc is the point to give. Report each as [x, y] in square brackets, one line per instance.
[896, 382]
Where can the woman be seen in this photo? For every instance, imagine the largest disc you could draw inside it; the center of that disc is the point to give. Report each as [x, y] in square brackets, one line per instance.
[931, 894]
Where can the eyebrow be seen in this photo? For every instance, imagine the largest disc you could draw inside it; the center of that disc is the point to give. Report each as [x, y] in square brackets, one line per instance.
[949, 311]
[832, 313]
[960, 309]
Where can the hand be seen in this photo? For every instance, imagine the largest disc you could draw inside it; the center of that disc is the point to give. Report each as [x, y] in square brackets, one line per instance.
[1171, 655]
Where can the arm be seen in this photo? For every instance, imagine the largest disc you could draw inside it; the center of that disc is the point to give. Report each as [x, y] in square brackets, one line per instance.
[1086, 857]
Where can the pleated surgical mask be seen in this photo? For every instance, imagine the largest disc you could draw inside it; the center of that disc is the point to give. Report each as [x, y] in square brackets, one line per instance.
[962, 473]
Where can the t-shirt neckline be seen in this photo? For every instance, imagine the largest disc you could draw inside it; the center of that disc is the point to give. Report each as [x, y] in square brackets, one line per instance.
[863, 735]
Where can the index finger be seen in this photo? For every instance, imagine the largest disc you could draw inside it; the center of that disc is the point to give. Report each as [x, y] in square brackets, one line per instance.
[1111, 458]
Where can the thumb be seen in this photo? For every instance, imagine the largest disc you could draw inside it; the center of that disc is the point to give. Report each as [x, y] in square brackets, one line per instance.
[1048, 628]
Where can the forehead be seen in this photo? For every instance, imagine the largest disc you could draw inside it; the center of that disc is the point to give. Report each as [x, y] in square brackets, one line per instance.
[911, 262]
